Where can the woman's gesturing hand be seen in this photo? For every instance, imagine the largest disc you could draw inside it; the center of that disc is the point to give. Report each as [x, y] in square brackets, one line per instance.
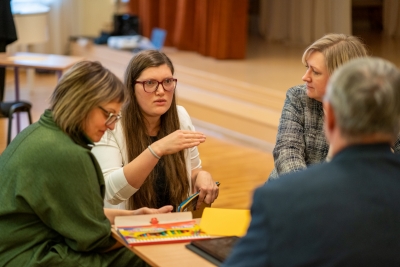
[177, 141]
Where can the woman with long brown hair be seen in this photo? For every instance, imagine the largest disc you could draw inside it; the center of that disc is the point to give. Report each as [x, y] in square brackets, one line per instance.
[151, 157]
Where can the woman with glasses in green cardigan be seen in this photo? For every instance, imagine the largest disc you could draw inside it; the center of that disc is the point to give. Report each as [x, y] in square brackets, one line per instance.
[51, 186]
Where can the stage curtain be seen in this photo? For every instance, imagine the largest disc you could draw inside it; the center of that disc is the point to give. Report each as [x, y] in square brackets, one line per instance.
[148, 15]
[228, 31]
[167, 15]
[303, 21]
[216, 28]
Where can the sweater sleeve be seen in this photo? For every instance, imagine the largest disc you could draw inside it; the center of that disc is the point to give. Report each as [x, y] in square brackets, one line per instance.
[186, 124]
[289, 151]
[110, 153]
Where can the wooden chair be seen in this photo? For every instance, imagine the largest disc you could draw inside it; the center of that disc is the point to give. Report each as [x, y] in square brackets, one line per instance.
[7, 109]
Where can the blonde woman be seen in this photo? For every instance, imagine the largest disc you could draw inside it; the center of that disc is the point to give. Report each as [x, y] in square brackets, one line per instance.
[300, 141]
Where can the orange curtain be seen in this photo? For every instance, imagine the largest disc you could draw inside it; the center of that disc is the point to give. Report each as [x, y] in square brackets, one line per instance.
[216, 28]
[167, 15]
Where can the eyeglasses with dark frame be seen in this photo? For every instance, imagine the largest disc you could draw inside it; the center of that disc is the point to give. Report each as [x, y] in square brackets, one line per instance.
[150, 86]
[112, 118]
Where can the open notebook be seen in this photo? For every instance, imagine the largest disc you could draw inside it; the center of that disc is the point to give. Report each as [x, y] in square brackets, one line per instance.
[158, 228]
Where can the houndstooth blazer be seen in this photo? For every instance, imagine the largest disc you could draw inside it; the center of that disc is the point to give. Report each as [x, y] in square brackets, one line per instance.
[300, 141]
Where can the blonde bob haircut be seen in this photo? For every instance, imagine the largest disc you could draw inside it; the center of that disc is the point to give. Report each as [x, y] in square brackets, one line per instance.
[85, 86]
[337, 50]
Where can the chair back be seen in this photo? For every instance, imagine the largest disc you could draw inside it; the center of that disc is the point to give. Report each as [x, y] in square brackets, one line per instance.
[7, 109]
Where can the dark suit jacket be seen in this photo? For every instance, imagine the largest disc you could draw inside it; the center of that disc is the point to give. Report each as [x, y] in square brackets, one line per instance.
[342, 213]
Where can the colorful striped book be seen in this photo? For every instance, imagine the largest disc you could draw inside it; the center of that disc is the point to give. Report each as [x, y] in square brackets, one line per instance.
[158, 228]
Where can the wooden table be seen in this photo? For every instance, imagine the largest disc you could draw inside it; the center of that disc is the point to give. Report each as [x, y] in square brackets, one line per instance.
[170, 255]
[18, 60]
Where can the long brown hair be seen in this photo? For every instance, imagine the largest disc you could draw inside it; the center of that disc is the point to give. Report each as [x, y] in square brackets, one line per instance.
[137, 138]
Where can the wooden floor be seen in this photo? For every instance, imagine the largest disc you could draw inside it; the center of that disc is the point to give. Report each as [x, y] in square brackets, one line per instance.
[240, 168]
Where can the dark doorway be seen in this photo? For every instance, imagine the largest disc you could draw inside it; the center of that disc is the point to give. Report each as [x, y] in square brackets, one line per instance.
[367, 16]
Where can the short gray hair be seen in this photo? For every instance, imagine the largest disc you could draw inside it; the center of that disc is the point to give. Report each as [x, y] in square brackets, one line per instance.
[365, 96]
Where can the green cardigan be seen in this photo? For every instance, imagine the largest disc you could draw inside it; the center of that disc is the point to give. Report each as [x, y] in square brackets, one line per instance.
[51, 195]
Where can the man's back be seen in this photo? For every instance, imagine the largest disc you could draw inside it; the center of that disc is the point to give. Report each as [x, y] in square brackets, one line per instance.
[345, 213]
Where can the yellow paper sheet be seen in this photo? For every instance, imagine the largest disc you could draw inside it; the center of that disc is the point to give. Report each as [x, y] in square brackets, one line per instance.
[225, 222]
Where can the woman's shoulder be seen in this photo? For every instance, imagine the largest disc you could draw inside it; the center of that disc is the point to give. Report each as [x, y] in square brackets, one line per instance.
[182, 113]
[298, 91]
[61, 150]
[298, 94]
[184, 118]
[181, 110]
[298, 102]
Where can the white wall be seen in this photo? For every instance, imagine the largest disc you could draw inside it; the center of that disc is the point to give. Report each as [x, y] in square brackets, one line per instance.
[91, 16]
[72, 18]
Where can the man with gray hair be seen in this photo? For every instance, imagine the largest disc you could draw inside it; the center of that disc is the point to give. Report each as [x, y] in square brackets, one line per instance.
[345, 212]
